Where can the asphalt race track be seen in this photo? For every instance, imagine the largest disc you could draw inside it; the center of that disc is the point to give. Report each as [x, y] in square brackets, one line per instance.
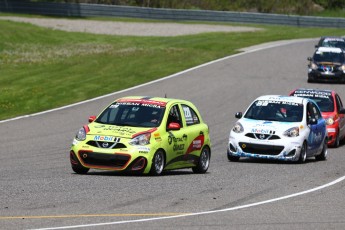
[40, 191]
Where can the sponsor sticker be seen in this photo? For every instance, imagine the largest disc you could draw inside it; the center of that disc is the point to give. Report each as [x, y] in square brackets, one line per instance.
[104, 138]
[143, 149]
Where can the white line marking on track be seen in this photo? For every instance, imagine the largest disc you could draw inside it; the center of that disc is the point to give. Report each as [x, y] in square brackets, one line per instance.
[202, 213]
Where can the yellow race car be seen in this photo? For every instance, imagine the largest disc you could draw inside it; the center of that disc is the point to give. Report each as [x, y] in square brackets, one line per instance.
[143, 135]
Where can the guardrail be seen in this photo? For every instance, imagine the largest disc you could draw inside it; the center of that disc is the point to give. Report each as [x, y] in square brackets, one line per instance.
[91, 10]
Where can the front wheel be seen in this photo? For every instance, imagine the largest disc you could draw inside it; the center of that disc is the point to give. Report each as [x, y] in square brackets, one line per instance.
[204, 161]
[158, 162]
[76, 165]
[233, 158]
[323, 154]
[303, 154]
[337, 141]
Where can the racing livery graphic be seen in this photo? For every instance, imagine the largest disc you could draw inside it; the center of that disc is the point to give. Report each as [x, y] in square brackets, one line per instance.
[143, 135]
[281, 128]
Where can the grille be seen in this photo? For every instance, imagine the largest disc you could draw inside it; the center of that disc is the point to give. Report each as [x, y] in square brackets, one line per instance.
[107, 145]
[261, 149]
[262, 136]
[327, 68]
[101, 159]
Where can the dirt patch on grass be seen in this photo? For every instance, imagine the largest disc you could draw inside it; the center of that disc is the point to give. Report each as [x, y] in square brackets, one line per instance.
[128, 28]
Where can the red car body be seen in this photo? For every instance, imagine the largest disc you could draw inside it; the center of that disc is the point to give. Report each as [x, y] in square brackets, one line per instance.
[332, 111]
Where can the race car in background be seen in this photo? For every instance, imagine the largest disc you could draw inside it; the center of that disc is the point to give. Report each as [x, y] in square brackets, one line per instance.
[332, 111]
[331, 41]
[327, 65]
[143, 135]
[281, 128]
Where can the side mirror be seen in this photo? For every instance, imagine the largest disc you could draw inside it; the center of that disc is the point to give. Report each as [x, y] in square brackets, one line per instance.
[238, 115]
[342, 111]
[312, 121]
[92, 118]
[174, 126]
[316, 46]
[309, 59]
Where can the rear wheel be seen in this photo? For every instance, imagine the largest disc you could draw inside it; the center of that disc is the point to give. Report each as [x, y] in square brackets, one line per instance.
[323, 154]
[204, 161]
[303, 154]
[158, 162]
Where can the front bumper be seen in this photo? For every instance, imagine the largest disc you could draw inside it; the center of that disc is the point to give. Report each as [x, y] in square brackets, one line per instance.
[274, 150]
[316, 75]
[134, 159]
[332, 134]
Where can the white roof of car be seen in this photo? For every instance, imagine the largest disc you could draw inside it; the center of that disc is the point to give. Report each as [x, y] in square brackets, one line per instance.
[329, 49]
[290, 99]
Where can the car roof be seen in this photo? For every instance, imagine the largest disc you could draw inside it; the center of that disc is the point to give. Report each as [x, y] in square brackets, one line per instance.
[151, 100]
[334, 38]
[314, 90]
[329, 49]
[283, 98]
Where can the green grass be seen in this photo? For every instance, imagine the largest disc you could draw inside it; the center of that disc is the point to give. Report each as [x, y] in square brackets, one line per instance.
[42, 69]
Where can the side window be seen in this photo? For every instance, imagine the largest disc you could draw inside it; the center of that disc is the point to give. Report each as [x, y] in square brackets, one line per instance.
[339, 102]
[315, 112]
[190, 115]
[109, 116]
[174, 115]
[310, 112]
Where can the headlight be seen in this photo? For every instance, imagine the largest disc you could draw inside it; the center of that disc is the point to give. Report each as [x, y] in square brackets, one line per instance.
[330, 121]
[292, 132]
[313, 66]
[81, 134]
[238, 128]
[143, 139]
[342, 68]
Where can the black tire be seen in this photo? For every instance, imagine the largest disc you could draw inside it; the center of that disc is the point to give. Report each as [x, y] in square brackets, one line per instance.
[233, 158]
[158, 163]
[79, 169]
[303, 154]
[76, 165]
[323, 155]
[337, 141]
[204, 161]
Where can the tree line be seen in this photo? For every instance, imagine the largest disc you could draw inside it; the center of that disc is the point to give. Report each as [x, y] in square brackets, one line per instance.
[303, 7]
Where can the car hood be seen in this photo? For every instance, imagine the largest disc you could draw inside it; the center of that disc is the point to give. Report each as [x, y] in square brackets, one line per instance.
[117, 131]
[266, 127]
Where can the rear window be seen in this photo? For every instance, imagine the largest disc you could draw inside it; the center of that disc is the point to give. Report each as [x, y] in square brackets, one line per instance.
[323, 99]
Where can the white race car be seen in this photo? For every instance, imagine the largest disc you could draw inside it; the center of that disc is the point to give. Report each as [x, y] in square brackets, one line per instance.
[279, 128]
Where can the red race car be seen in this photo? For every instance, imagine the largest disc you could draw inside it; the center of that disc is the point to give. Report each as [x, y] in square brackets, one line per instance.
[332, 111]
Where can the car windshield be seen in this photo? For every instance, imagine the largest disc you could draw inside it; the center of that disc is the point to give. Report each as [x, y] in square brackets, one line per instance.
[333, 43]
[269, 110]
[132, 114]
[328, 57]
